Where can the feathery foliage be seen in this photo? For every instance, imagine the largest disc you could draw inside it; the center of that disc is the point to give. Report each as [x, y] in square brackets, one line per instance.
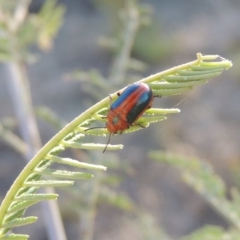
[19, 29]
[201, 177]
[23, 194]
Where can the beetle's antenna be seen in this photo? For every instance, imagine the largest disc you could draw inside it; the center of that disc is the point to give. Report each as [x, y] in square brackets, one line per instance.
[111, 100]
[92, 128]
[107, 142]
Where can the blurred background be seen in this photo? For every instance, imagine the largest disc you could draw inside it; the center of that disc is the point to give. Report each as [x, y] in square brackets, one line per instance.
[208, 126]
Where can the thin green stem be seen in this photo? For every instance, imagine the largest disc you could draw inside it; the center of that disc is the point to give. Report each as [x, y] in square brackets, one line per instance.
[89, 212]
[20, 92]
[13, 140]
[121, 63]
[199, 62]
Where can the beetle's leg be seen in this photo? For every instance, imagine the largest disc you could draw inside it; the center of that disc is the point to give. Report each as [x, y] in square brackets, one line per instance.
[110, 99]
[138, 124]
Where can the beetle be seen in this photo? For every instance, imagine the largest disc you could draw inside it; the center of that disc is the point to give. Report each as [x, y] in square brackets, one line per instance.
[130, 105]
[128, 108]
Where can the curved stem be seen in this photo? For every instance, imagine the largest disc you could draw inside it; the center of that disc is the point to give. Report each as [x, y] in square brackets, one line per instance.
[41, 154]
[83, 117]
[120, 65]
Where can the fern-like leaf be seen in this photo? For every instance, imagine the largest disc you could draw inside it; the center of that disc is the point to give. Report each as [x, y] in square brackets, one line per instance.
[213, 233]
[15, 237]
[23, 192]
[17, 222]
[201, 177]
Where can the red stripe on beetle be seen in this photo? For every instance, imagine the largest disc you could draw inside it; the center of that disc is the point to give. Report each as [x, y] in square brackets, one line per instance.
[128, 108]
[130, 105]
[129, 102]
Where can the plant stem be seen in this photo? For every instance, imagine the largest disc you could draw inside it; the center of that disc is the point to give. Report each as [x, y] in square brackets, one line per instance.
[89, 212]
[21, 97]
[19, 88]
[120, 65]
[13, 140]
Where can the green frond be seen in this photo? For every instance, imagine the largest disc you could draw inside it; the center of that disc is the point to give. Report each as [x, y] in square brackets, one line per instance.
[75, 137]
[169, 92]
[17, 222]
[118, 200]
[48, 183]
[101, 118]
[95, 132]
[137, 65]
[10, 138]
[103, 110]
[173, 85]
[197, 72]
[75, 163]
[208, 232]
[23, 193]
[49, 116]
[33, 177]
[86, 123]
[44, 164]
[151, 119]
[36, 197]
[137, 127]
[15, 237]
[201, 177]
[38, 28]
[57, 149]
[65, 174]
[192, 77]
[89, 146]
[213, 233]
[50, 19]
[23, 205]
[163, 111]
[26, 190]
[15, 215]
